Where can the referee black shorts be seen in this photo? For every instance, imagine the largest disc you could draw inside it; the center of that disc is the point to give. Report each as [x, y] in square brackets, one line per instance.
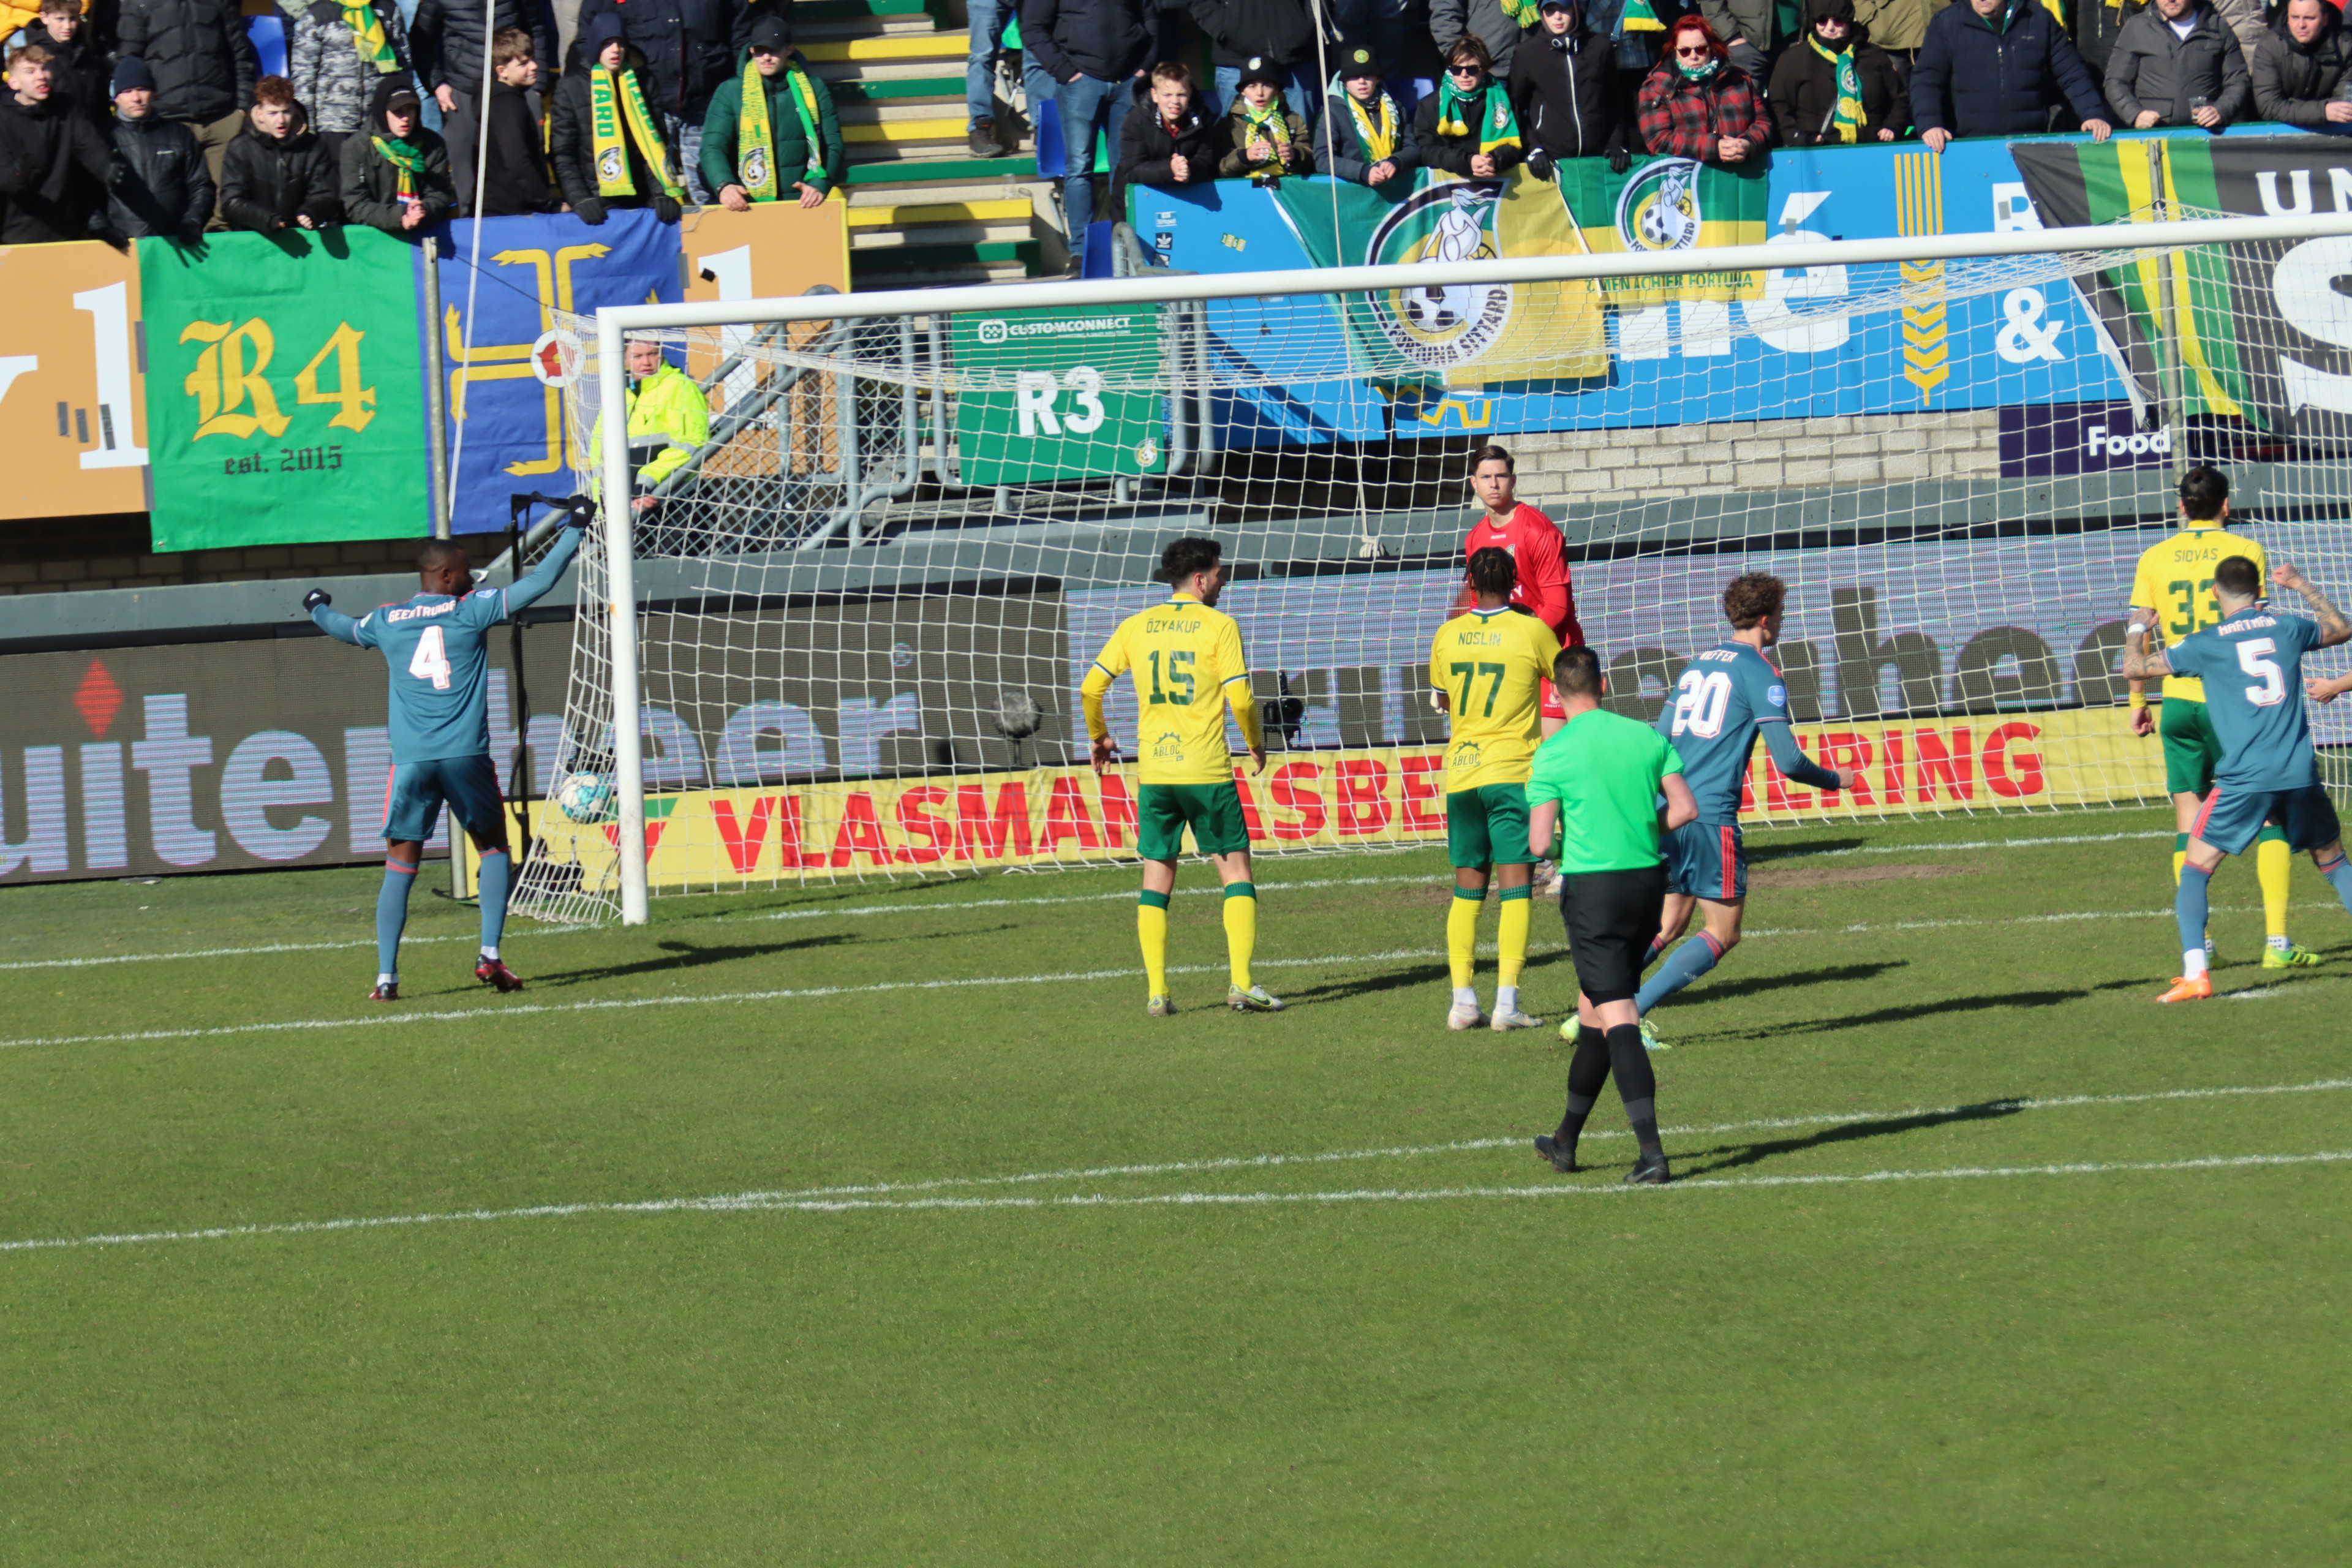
[1611, 918]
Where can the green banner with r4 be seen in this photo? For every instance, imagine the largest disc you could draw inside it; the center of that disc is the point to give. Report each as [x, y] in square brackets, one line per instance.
[1044, 394]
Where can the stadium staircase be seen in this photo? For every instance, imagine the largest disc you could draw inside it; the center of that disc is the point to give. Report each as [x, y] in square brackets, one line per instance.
[922, 210]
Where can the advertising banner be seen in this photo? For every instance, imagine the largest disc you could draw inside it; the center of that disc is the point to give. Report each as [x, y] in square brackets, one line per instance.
[2264, 335]
[505, 400]
[287, 389]
[71, 389]
[211, 757]
[1042, 398]
[1328, 800]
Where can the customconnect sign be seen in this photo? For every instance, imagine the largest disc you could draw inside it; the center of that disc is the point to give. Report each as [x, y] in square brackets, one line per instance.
[1042, 396]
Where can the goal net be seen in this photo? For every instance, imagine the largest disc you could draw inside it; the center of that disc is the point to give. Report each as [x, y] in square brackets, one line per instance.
[865, 599]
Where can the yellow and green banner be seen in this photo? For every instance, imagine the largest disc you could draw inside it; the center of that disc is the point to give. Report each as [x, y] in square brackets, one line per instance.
[285, 389]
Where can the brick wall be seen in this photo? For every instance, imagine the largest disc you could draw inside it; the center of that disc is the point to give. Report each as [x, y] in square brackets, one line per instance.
[1764, 455]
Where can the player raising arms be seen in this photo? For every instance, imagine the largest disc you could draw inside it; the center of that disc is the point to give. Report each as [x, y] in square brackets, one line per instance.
[1188, 665]
[440, 719]
[2251, 663]
[1730, 695]
[2173, 590]
[1487, 668]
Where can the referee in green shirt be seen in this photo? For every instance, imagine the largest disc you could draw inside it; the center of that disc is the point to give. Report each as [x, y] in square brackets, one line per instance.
[1601, 776]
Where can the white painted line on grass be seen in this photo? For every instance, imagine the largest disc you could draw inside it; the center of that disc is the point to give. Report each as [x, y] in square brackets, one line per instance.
[758, 1204]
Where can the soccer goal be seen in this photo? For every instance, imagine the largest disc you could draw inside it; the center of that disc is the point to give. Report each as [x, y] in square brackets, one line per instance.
[843, 638]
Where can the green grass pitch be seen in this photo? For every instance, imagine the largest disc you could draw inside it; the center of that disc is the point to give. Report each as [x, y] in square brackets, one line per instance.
[2117, 1341]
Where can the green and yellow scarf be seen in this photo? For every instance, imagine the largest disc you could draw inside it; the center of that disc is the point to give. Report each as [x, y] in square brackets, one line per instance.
[1379, 136]
[1523, 13]
[617, 115]
[1270, 124]
[368, 40]
[755, 137]
[1846, 118]
[407, 160]
[1498, 126]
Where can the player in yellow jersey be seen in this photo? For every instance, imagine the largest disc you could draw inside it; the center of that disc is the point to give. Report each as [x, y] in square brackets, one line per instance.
[1488, 667]
[1187, 666]
[2173, 590]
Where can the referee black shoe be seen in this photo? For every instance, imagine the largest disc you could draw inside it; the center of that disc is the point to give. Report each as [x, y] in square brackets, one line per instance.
[1650, 1172]
[1562, 1156]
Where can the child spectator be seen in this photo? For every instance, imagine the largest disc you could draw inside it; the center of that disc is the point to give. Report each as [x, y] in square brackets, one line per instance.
[771, 130]
[1263, 139]
[1365, 138]
[1172, 144]
[159, 189]
[57, 156]
[515, 176]
[1467, 126]
[629, 166]
[337, 55]
[397, 172]
[1568, 92]
[278, 174]
[447, 39]
[1837, 86]
[79, 68]
[1698, 104]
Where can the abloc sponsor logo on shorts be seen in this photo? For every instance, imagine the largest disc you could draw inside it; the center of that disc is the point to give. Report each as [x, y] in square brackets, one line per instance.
[2062, 438]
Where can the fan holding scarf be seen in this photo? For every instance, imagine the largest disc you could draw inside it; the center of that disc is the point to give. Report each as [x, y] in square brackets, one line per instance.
[1468, 126]
[1837, 86]
[1365, 138]
[607, 144]
[772, 131]
[1264, 141]
[397, 172]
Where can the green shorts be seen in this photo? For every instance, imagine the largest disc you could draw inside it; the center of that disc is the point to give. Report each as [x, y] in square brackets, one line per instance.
[1487, 826]
[2191, 750]
[1213, 812]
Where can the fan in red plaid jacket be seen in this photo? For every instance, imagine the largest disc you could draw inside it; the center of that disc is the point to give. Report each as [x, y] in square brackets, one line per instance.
[1687, 116]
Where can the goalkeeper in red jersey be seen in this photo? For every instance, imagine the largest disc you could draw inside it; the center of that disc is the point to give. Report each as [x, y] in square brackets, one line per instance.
[1534, 544]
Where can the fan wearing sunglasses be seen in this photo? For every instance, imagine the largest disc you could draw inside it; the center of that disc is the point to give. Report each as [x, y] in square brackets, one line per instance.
[1698, 104]
[1467, 126]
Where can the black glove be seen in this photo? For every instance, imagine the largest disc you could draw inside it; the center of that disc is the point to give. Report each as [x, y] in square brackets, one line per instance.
[583, 512]
[1540, 164]
[666, 208]
[590, 211]
[1620, 160]
[314, 598]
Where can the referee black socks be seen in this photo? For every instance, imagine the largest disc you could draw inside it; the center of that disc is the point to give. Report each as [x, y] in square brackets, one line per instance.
[1587, 1071]
[1637, 1085]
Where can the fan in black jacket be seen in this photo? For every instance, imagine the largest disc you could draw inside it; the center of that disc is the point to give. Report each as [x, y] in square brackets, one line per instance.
[277, 174]
[79, 68]
[571, 138]
[1805, 98]
[395, 173]
[160, 187]
[1363, 132]
[52, 160]
[1568, 92]
[1166, 140]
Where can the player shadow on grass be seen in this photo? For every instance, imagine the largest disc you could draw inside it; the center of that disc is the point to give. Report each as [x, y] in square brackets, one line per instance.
[1912, 1012]
[1750, 985]
[1439, 973]
[1732, 1156]
[1804, 852]
[683, 955]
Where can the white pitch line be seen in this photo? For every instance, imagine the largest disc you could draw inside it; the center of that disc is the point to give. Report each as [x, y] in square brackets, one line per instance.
[863, 911]
[1167, 1200]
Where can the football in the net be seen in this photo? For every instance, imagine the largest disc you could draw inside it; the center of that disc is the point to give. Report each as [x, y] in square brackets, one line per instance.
[585, 797]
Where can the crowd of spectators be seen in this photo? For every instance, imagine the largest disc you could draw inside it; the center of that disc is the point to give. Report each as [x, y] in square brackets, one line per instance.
[153, 118]
[124, 119]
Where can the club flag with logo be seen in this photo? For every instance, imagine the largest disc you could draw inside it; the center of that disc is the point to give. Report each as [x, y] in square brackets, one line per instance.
[1664, 205]
[2260, 331]
[1459, 334]
[284, 389]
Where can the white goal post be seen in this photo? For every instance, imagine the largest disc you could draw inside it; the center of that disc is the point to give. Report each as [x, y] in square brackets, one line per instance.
[1900, 277]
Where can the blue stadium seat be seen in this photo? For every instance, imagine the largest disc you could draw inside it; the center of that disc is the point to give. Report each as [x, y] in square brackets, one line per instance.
[269, 37]
[1051, 159]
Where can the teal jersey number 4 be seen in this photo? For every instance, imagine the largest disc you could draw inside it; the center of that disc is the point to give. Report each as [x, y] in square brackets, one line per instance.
[437, 649]
[2251, 665]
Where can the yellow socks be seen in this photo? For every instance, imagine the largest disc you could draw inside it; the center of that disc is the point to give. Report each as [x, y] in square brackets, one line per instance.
[2273, 863]
[1241, 930]
[1151, 932]
[1462, 935]
[2179, 856]
[1512, 936]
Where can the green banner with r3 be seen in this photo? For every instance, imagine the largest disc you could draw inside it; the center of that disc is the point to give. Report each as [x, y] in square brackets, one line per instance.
[1046, 394]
